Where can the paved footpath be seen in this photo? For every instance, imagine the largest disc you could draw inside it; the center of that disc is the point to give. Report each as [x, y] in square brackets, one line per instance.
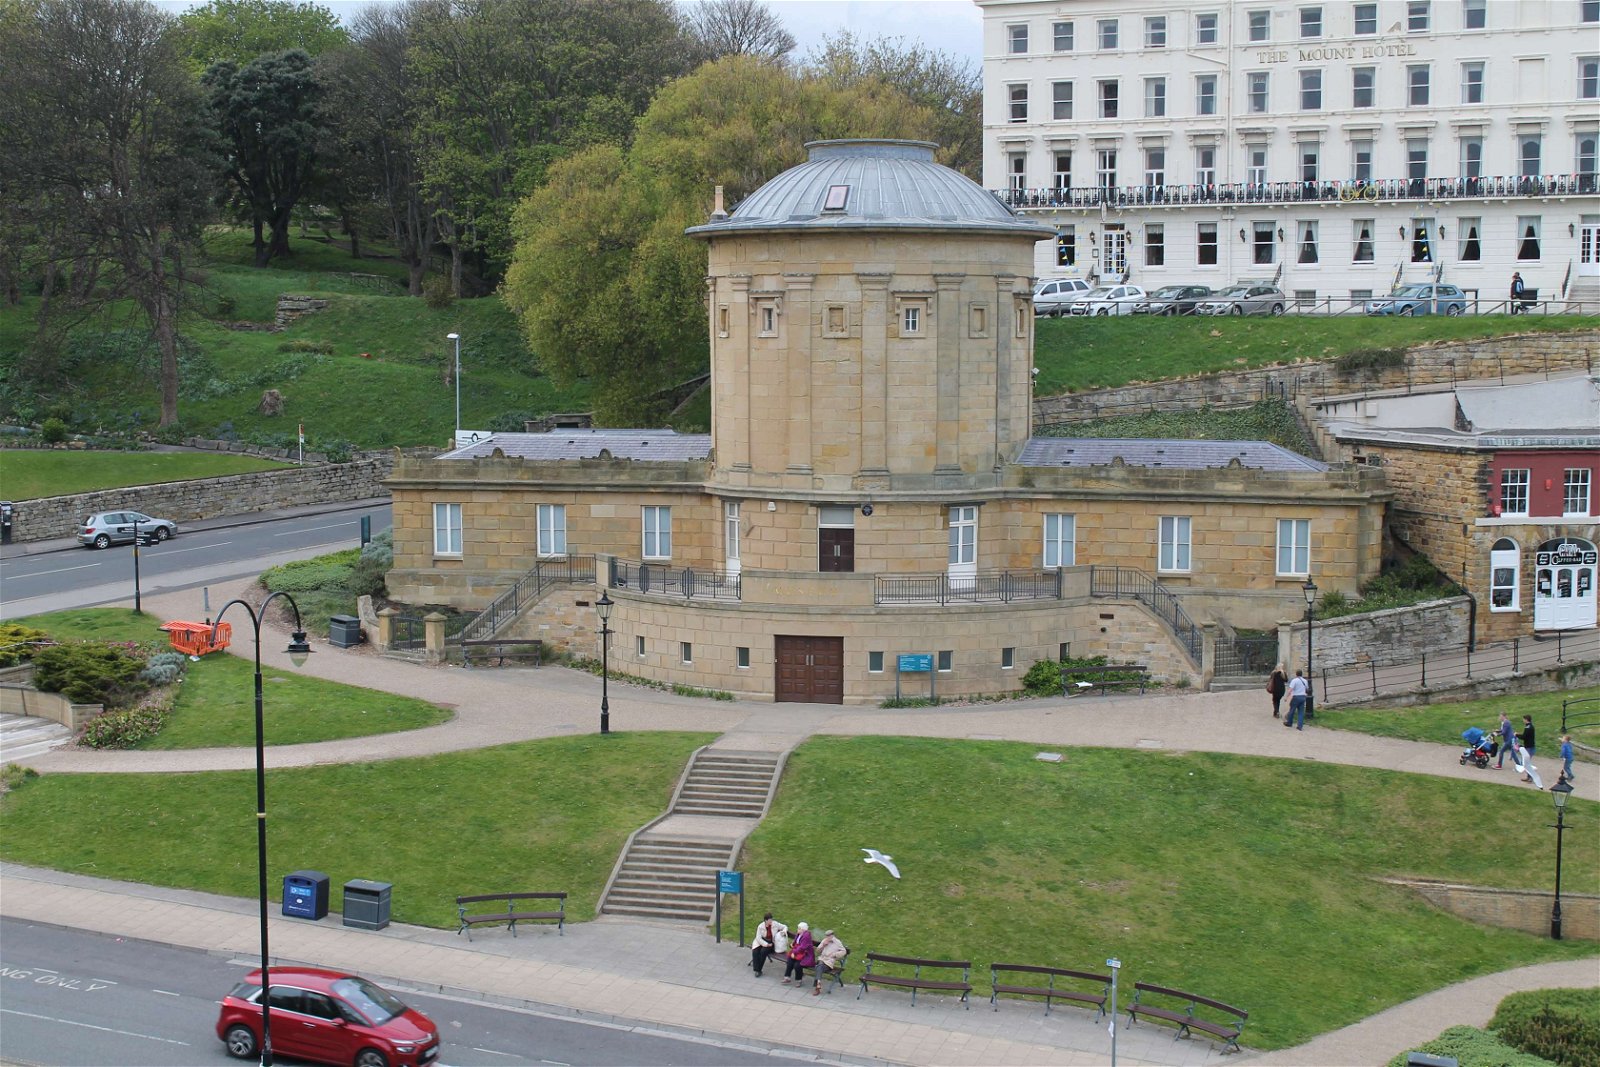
[679, 979]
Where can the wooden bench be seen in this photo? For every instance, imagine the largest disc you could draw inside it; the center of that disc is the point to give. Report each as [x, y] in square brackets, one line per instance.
[916, 981]
[1103, 675]
[834, 977]
[511, 914]
[1187, 1020]
[500, 649]
[1049, 991]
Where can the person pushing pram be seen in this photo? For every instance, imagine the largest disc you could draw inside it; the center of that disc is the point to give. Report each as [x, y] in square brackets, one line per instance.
[1481, 747]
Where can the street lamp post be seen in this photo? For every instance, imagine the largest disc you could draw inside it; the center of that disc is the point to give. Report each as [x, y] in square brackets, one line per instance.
[1310, 591]
[298, 650]
[1559, 794]
[456, 337]
[603, 607]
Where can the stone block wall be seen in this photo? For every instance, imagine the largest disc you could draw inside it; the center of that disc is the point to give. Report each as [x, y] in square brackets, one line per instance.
[26, 700]
[1527, 910]
[1380, 638]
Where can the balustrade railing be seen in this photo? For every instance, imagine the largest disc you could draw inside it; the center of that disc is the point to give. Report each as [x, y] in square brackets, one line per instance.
[1302, 191]
[983, 587]
[526, 590]
[1131, 584]
[689, 583]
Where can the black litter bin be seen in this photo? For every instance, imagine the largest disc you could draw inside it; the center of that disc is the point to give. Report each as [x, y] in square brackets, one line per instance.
[8, 513]
[344, 631]
[366, 904]
[305, 894]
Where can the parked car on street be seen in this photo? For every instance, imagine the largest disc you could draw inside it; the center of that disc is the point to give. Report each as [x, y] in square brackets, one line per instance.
[1248, 299]
[1108, 300]
[1426, 298]
[106, 528]
[1052, 295]
[1174, 300]
[327, 1017]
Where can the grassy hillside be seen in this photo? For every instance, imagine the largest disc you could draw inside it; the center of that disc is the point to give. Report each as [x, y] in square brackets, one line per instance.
[27, 474]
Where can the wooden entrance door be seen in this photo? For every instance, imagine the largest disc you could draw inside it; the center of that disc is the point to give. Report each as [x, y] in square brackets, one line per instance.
[810, 670]
[836, 550]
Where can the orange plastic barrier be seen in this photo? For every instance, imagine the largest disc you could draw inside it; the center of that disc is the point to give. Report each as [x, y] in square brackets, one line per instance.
[194, 638]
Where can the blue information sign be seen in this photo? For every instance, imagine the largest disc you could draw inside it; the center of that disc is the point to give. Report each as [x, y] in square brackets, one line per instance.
[916, 661]
[730, 881]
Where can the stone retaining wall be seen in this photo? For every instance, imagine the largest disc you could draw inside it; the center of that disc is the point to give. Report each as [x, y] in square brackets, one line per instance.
[1527, 910]
[25, 700]
[1379, 638]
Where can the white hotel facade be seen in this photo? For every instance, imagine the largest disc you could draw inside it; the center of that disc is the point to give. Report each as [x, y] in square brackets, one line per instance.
[1337, 148]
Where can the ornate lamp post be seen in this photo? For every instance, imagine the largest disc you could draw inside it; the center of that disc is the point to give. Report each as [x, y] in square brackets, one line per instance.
[1559, 794]
[298, 650]
[603, 608]
[1310, 591]
[456, 337]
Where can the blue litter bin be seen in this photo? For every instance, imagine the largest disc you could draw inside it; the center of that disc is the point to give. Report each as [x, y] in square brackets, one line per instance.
[305, 895]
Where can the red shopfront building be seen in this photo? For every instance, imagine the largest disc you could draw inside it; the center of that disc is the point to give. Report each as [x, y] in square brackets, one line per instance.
[1546, 500]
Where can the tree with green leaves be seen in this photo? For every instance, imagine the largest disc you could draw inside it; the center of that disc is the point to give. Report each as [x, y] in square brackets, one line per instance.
[238, 31]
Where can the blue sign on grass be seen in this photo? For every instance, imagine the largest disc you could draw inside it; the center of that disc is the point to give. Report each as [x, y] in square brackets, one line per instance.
[916, 661]
[730, 882]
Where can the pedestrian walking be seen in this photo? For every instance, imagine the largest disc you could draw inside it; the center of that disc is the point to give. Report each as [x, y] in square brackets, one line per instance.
[801, 956]
[1517, 289]
[1299, 689]
[1527, 733]
[1277, 685]
[1522, 759]
[1507, 734]
[769, 934]
[1566, 756]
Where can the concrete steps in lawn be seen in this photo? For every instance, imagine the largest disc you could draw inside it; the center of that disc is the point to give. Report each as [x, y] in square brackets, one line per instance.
[668, 878]
[729, 784]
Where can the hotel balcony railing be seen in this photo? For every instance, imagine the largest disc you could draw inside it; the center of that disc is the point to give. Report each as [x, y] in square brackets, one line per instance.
[1352, 192]
[983, 587]
[687, 583]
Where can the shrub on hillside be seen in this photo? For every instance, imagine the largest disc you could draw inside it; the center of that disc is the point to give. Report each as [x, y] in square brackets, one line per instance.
[339, 451]
[164, 668]
[90, 673]
[53, 431]
[1561, 1025]
[18, 643]
[437, 294]
[227, 307]
[1045, 676]
[1471, 1047]
[377, 557]
[330, 572]
[125, 729]
[172, 433]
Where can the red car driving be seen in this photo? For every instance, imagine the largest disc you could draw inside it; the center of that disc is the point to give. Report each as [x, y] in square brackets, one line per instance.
[327, 1017]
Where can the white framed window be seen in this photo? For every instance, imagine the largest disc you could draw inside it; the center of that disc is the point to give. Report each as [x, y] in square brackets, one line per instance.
[1019, 103]
[913, 318]
[1505, 571]
[1262, 245]
[1063, 36]
[1421, 240]
[1260, 23]
[1008, 658]
[1060, 540]
[730, 535]
[946, 660]
[1589, 78]
[1471, 157]
[1256, 171]
[1469, 246]
[1417, 81]
[1311, 90]
[1308, 241]
[1474, 14]
[686, 651]
[1106, 168]
[1310, 161]
[1174, 544]
[1155, 31]
[1363, 86]
[1418, 14]
[638, 647]
[1205, 165]
[1109, 91]
[1107, 29]
[657, 523]
[1528, 227]
[1019, 172]
[1575, 493]
[1155, 97]
[1061, 98]
[1588, 159]
[1017, 40]
[1472, 83]
[1155, 244]
[1205, 94]
[1256, 82]
[1589, 11]
[1205, 29]
[1363, 241]
[1514, 492]
[963, 536]
[767, 318]
[1361, 160]
[1366, 19]
[552, 529]
[1310, 22]
[447, 529]
[1205, 237]
[874, 662]
[742, 657]
[1155, 167]
[1294, 548]
[1530, 152]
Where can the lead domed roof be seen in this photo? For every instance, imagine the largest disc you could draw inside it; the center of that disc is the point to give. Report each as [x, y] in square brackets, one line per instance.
[871, 185]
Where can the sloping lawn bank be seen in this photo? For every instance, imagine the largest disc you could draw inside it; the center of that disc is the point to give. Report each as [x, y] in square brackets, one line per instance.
[537, 815]
[1251, 881]
[1444, 723]
[31, 473]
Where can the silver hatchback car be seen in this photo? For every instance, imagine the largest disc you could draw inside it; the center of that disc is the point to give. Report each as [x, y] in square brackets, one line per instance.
[107, 528]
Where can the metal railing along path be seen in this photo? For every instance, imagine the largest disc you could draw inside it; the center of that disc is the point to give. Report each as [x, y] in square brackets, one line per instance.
[689, 583]
[524, 591]
[1446, 668]
[982, 587]
[1128, 583]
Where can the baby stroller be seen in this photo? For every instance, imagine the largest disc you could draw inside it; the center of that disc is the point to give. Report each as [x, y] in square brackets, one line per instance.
[1481, 747]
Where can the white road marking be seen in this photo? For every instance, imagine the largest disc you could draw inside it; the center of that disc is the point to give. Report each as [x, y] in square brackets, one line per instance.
[91, 1026]
[166, 993]
[496, 1052]
[313, 529]
[58, 570]
[197, 548]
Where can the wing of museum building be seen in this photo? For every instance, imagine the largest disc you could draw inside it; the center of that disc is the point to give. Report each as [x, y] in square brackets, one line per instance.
[1337, 149]
[871, 487]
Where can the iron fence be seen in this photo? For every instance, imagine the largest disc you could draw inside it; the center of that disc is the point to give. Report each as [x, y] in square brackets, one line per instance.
[1445, 667]
[1130, 584]
[526, 590]
[1350, 192]
[984, 587]
[1246, 655]
[690, 583]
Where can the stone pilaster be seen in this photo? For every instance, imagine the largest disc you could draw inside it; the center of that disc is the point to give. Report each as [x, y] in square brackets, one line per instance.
[802, 329]
[874, 373]
[946, 326]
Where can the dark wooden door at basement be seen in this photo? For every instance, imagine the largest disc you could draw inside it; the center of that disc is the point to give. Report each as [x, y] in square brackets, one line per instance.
[810, 670]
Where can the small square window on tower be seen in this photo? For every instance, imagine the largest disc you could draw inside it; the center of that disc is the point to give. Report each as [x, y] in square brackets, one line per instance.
[767, 318]
[911, 316]
[835, 321]
[978, 320]
[722, 320]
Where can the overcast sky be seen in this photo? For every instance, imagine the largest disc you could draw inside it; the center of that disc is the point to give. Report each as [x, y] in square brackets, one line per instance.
[953, 26]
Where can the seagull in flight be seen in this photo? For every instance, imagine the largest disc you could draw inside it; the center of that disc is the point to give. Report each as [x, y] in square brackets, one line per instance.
[887, 862]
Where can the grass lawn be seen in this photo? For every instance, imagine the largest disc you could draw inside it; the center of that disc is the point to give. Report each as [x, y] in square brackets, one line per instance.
[1093, 353]
[1267, 420]
[29, 473]
[1252, 881]
[215, 706]
[1444, 723]
[537, 815]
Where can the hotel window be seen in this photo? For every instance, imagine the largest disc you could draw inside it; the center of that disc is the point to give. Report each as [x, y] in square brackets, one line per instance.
[1474, 14]
[1294, 548]
[1265, 250]
[1019, 172]
[657, 523]
[1067, 247]
[1063, 36]
[1417, 12]
[1155, 97]
[1366, 20]
[1205, 94]
[1256, 82]
[1421, 244]
[1308, 242]
[1108, 33]
[1064, 172]
[1155, 32]
[1106, 168]
[447, 529]
[686, 651]
[1061, 95]
[742, 657]
[1514, 492]
[1363, 243]
[1155, 245]
[1205, 29]
[1361, 160]
[1155, 167]
[1416, 158]
[1205, 239]
[1575, 493]
[1530, 152]
[1256, 172]
[1060, 540]
[1528, 227]
[552, 529]
[1589, 78]
[1362, 81]
[1505, 564]
[1469, 248]
[1471, 157]
[1310, 22]
[1310, 162]
[1260, 25]
[1417, 85]
[1205, 166]
[1589, 11]
[1311, 90]
[1472, 83]
[1018, 39]
[1174, 541]
[1108, 99]
[1019, 103]
[1587, 160]
[1305, 298]
[874, 662]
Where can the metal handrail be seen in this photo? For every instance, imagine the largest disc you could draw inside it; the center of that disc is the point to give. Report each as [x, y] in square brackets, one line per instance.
[1351, 192]
[1127, 582]
[983, 587]
[527, 590]
[690, 583]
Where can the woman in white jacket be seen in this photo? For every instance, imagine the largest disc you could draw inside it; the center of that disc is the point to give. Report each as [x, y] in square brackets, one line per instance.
[772, 938]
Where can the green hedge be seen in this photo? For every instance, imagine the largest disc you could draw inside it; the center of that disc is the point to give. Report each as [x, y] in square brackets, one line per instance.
[91, 673]
[1561, 1025]
[330, 572]
[1472, 1047]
